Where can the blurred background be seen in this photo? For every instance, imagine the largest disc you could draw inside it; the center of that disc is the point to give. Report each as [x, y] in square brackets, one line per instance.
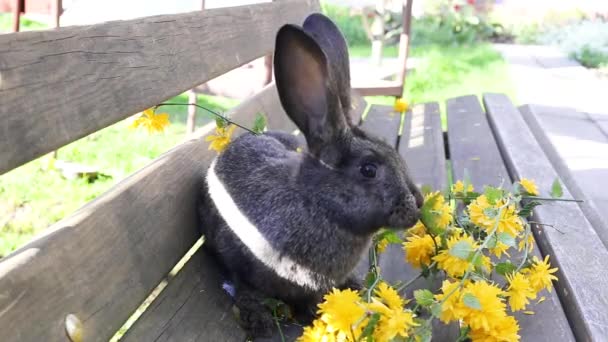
[552, 52]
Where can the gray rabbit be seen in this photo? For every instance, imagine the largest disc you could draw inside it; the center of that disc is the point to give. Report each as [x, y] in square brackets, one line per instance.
[291, 225]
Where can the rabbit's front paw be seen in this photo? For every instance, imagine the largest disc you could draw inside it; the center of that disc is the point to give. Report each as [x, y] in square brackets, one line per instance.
[254, 316]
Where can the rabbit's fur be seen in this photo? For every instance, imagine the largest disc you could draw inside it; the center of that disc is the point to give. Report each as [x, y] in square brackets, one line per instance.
[291, 225]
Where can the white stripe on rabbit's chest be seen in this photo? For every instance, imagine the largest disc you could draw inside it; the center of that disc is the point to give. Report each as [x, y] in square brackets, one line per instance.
[251, 237]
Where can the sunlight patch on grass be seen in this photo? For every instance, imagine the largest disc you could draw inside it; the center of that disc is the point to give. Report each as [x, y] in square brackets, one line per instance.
[32, 197]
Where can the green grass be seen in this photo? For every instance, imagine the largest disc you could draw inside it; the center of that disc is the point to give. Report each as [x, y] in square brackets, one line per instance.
[25, 24]
[366, 51]
[444, 72]
[33, 197]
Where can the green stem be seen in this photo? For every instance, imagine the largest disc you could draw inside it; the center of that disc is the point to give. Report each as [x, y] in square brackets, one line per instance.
[411, 281]
[373, 267]
[526, 235]
[210, 111]
[276, 320]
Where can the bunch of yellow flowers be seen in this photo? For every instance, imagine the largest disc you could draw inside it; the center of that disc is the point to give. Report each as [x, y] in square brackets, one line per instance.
[465, 239]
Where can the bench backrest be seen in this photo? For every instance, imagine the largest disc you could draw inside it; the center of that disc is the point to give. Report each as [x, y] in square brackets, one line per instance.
[58, 86]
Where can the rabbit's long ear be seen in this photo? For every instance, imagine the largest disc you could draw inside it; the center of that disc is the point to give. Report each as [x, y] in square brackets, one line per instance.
[333, 43]
[306, 90]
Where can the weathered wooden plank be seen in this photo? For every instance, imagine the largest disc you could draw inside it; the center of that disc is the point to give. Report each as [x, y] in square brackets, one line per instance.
[58, 86]
[101, 262]
[471, 144]
[383, 122]
[533, 115]
[575, 248]
[193, 308]
[466, 118]
[422, 146]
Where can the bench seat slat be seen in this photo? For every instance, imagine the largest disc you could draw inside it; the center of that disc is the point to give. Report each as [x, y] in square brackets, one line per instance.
[472, 145]
[193, 308]
[104, 260]
[60, 85]
[577, 249]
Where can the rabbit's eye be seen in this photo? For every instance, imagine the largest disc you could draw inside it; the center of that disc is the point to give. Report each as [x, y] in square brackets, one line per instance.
[368, 170]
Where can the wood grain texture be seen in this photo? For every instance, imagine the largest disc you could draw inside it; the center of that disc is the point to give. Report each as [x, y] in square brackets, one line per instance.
[383, 122]
[576, 250]
[532, 116]
[103, 261]
[471, 144]
[193, 308]
[422, 146]
[467, 118]
[60, 85]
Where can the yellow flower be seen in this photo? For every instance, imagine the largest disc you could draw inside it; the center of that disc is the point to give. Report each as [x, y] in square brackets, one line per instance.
[419, 249]
[519, 291]
[418, 229]
[540, 274]
[151, 121]
[452, 309]
[529, 186]
[389, 296]
[401, 105]
[504, 330]
[453, 265]
[509, 221]
[499, 249]
[381, 245]
[393, 324]
[221, 139]
[458, 187]
[341, 310]
[491, 307]
[522, 243]
[317, 333]
[440, 211]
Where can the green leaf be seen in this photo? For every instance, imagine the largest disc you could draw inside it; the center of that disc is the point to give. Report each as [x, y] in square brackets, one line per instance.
[556, 189]
[427, 216]
[527, 209]
[493, 194]
[424, 297]
[370, 278]
[462, 250]
[471, 301]
[476, 259]
[426, 189]
[504, 268]
[371, 325]
[490, 212]
[220, 122]
[390, 235]
[506, 239]
[436, 310]
[423, 332]
[259, 124]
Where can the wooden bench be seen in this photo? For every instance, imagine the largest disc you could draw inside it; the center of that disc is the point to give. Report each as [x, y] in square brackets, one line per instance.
[101, 263]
